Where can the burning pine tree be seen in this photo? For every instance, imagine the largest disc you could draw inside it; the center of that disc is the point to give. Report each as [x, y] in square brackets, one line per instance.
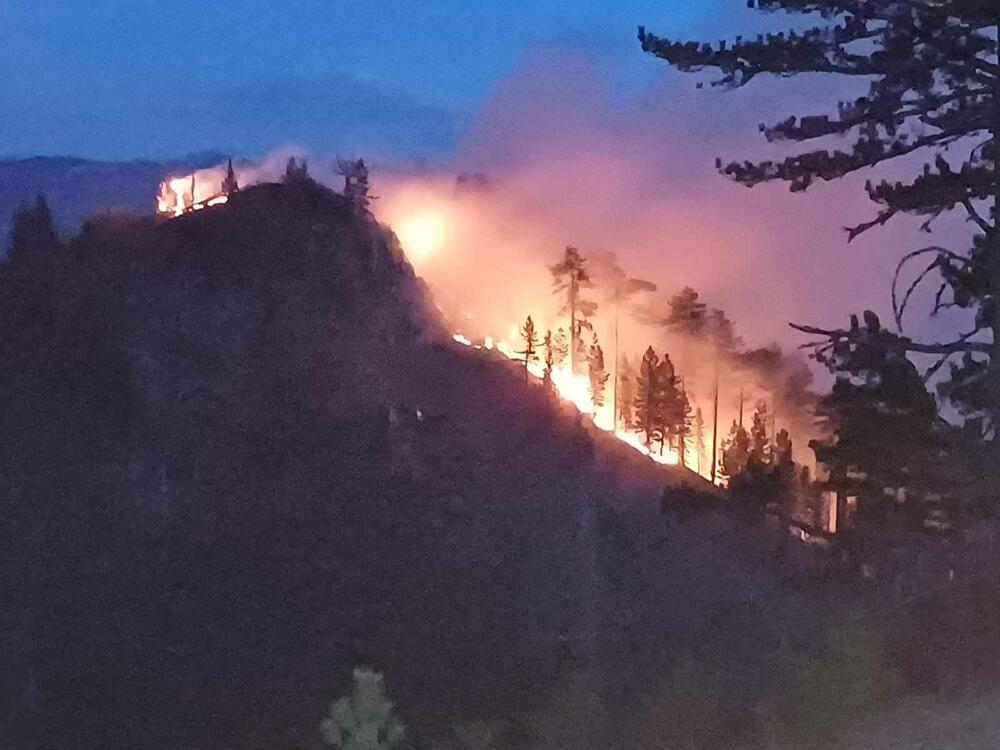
[530, 339]
[569, 278]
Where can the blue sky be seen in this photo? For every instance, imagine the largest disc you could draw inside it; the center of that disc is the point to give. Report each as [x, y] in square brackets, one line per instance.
[123, 79]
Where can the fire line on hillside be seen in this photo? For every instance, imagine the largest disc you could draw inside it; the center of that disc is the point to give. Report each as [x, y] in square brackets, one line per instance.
[180, 195]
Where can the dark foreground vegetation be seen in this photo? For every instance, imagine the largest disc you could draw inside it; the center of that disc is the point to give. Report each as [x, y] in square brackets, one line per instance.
[240, 458]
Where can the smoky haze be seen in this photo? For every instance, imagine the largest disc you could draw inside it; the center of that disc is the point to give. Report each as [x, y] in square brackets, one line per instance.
[567, 159]
[563, 153]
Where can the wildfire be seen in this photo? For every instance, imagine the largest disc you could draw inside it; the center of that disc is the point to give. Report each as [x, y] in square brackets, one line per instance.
[182, 194]
[575, 388]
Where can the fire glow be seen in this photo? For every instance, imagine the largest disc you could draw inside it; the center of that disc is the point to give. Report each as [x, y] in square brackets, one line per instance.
[179, 195]
[575, 389]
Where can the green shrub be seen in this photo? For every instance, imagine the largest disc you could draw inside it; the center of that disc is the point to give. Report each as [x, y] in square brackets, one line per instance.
[365, 719]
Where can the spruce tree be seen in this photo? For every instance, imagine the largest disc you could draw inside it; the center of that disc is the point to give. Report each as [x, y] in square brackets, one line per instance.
[530, 341]
[569, 278]
[933, 77]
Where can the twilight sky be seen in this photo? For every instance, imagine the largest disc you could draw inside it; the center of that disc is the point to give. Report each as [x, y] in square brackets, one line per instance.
[595, 143]
[121, 79]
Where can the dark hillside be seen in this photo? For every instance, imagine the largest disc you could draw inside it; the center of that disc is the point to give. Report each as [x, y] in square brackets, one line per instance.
[240, 455]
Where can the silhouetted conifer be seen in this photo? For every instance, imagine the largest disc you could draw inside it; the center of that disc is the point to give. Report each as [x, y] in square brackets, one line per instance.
[686, 314]
[735, 452]
[648, 415]
[295, 171]
[598, 375]
[530, 342]
[569, 278]
[932, 71]
[230, 185]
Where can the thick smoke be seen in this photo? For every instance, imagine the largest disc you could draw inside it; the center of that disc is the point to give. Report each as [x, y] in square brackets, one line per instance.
[565, 161]
[563, 154]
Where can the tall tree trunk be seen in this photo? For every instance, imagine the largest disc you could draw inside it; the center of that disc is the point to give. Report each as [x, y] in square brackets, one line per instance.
[715, 422]
[614, 378]
[574, 332]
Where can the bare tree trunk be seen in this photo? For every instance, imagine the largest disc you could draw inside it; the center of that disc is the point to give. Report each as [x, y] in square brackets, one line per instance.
[715, 422]
[993, 368]
[574, 332]
[614, 378]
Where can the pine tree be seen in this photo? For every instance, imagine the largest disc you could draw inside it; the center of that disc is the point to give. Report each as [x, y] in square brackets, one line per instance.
[673, 407]
[882, 423]
[569, 278]
[230, 185]
[686, 314]
[648, 417]
[548, 354]
[530, 350]
[365, 719]
[735, 452]
[295, 171]
[933, 75]
[598, 375]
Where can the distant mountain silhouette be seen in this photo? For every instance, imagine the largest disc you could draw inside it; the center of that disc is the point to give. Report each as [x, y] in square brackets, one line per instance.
[77, 188]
